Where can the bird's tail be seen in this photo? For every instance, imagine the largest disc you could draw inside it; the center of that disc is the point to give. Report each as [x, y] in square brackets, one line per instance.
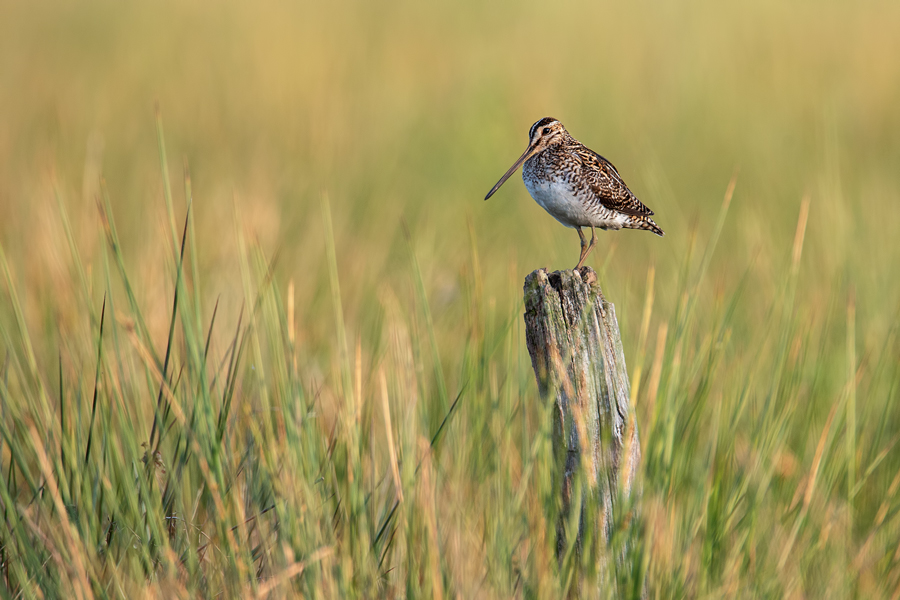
[644, 222]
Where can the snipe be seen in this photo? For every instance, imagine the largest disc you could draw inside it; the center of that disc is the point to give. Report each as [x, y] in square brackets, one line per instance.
[577, 186]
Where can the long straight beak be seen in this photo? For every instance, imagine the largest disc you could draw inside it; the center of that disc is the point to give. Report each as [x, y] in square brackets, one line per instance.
[525, 156]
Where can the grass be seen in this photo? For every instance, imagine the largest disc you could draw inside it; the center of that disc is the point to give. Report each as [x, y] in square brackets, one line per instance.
[275, 347]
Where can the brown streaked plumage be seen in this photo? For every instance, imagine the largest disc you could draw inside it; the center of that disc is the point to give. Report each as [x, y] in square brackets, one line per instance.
[577, 186]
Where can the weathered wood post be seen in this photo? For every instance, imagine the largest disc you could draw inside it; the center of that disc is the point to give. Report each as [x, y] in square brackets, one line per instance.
[573, 338]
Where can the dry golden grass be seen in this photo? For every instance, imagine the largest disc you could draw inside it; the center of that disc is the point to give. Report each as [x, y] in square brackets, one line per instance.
[338, 154]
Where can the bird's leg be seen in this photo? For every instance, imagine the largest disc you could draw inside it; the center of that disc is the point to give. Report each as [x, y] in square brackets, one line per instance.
[593, 241]
[586, 251]
[583, 248]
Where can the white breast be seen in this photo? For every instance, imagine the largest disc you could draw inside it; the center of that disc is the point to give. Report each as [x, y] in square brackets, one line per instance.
[557, 199]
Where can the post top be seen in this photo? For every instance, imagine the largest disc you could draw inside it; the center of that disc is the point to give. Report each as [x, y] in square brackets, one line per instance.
[541, 285]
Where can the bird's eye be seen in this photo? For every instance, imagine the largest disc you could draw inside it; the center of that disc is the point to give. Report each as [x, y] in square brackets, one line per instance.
[546, 130]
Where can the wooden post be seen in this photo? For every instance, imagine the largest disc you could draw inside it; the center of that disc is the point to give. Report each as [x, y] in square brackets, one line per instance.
[573, 338]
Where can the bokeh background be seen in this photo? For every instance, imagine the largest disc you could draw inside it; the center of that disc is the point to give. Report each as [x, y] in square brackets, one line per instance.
[403, 111]
[399, 116]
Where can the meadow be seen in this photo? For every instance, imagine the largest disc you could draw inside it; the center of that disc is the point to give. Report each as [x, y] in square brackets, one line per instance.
[260, 335]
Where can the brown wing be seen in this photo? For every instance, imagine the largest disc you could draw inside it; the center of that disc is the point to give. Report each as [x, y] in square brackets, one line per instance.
[606, 184]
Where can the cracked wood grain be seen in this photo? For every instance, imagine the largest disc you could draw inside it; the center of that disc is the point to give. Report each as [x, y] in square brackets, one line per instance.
[576, 352]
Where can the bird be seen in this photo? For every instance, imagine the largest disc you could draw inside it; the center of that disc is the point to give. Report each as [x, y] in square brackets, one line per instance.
[577, 186]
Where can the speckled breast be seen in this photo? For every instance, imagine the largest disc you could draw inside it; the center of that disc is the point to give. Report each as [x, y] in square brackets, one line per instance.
[555, 195]
[558, 196]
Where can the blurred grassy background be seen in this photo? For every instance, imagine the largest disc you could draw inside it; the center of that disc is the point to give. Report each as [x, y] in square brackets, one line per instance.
[403, 115]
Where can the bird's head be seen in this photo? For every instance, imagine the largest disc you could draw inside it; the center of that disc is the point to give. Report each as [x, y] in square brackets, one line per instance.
[543, 134]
